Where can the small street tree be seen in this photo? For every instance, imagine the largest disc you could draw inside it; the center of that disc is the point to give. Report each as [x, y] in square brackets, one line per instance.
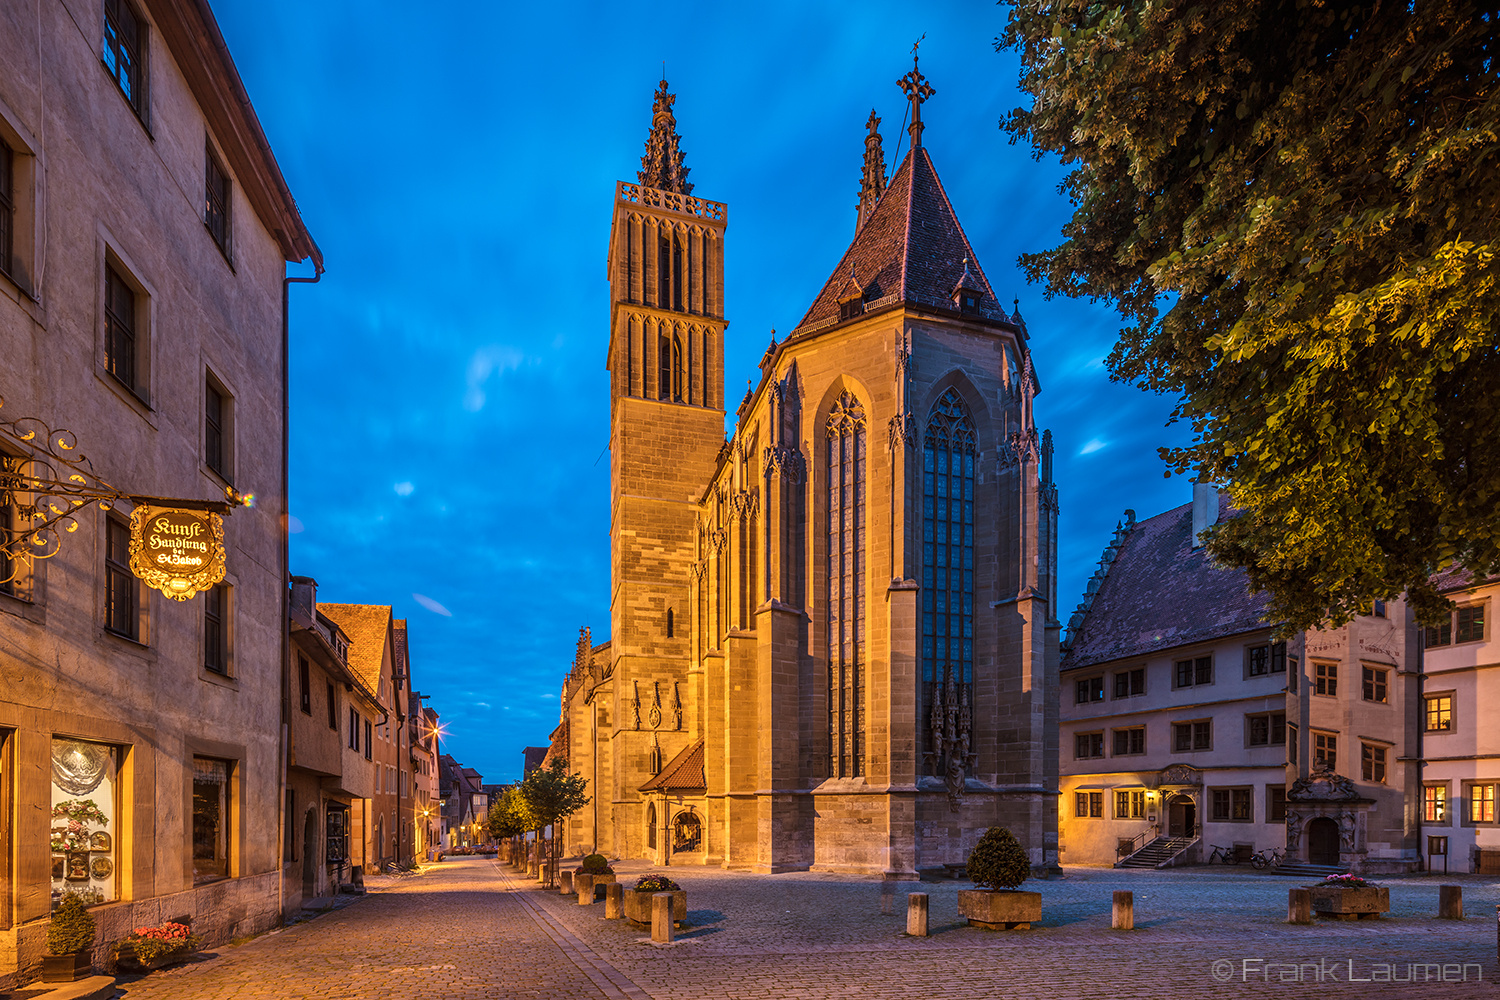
[549, 795]
[1295, 207]
[507, 817]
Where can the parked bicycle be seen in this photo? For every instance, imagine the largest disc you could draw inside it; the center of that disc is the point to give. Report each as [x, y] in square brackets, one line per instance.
[1224, 855]
[1268, 858]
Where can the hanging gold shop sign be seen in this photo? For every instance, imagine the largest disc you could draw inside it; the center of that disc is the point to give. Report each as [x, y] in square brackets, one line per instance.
[178, 552]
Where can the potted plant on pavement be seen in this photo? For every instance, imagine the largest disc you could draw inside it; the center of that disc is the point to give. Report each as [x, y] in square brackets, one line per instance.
[70, 941]
[594, 871]
[1350, 897]
[150, 948]
[638, 902]
[998, 865]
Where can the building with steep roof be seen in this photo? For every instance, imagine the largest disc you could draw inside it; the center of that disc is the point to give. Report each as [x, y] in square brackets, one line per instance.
[1187, 725]
[831, 648]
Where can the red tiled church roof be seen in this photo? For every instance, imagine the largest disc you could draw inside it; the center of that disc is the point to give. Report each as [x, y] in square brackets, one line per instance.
[1160, 592]
[683, 772]
[911, 249]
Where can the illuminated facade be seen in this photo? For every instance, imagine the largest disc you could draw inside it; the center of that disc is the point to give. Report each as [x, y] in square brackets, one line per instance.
[833, 636]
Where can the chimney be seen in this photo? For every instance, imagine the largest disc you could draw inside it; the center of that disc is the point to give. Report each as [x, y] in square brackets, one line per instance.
[305, 596]
[1205, 509]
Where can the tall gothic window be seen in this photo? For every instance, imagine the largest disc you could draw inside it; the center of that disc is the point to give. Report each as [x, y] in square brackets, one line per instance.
[947, 568]
[846, 587]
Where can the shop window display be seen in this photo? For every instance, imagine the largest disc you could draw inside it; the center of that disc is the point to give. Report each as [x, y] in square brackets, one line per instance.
[84, 830]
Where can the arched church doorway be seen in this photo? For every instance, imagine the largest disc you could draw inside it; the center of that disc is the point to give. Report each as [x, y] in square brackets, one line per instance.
[1182, 816]
[1323, 841]
[650, 826]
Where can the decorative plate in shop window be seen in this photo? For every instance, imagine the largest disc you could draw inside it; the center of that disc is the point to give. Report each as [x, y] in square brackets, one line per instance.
[99, 841]
[58, 863]
[102, 868]
[78, 866]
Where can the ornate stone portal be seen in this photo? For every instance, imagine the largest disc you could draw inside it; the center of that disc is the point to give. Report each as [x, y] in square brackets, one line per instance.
[1326, 821]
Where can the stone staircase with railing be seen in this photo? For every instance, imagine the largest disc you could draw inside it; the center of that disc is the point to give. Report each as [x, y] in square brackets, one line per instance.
[1158, 853]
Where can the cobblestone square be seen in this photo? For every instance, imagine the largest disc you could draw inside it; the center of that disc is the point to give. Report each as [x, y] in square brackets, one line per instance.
[472, 928]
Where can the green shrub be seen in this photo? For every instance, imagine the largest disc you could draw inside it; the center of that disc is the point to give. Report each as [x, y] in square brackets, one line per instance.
[72, 927]
[998, 861]
[656, 883]
[596, 864]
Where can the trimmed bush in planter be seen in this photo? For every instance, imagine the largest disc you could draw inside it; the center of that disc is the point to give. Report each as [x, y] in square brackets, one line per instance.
[70, 939]
[998, 865]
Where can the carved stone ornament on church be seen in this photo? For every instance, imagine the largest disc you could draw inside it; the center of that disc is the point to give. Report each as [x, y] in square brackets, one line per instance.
[1025, 446]
[635, 706]
[902, 428]
[951, 756]
[1323, 786]
[1294, 821]
[1181, 774]
[676, 707]
[653, 715]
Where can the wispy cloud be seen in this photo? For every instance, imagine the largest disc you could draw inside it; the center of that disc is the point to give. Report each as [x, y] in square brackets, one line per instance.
[431, 605]
[1092, 445]
[403, 489]
[485, 363]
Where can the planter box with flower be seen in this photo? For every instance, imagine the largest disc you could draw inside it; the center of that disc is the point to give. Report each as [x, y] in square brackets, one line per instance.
[1349, 897]
[150, 948]
[998, 865]
[70, 942]
[638, 903]
[594, 871]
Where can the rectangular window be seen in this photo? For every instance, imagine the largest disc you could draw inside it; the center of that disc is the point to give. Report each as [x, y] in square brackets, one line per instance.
[121, 607]
[1267, 659]
[1326, 750]
[119, 328]
[1470, 624]
[333, 708]
[216, 201]
[1439, 713]
[1130, 805]
[1372, 762]
[85, 820]
[1190, 673]
[367, 739]
[1241, 807]
[1129, 683]
[1090, 689]
[1192, 735]
[1326, 679]
[7, 204]
[1442, 635]
[1435, 804]
[1275, 803]
[1218, 805]
[1130, 741]
[1378, 609]
[125, 50]
[1291, 744]
[1481, 803]
[289, 845]
[210, 820]
[304, 684]
[215, 630]
[1267, 729]
[1086, 745]
[1374, 686]
[214, 421]
[1089, 805]
[353, 729]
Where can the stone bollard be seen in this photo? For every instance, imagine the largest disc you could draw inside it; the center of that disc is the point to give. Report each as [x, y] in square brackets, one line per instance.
[661, 917]
[1299, 906]
[544, 872]
[1124, 915]
[583, 882]
[614, 901]
[916, 914]
[566, 881]
[1450, 902]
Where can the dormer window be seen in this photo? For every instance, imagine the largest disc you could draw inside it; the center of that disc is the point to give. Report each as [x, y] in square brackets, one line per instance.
[968, 302]
[850, 308]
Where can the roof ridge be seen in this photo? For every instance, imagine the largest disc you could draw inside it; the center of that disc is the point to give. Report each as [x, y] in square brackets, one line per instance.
[911, 190]
[972, 258]
[1106, 559]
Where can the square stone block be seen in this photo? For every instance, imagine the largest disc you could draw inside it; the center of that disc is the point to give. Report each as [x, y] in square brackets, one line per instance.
[638, 907]
[1002, 910]
[1351, 902]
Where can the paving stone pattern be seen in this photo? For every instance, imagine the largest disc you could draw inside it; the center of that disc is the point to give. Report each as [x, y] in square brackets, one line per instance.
[475, 928]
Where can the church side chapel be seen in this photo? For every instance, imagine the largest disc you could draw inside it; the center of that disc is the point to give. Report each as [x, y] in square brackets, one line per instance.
[833, 636]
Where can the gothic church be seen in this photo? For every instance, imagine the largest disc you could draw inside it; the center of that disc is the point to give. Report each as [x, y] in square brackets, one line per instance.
[834, 635]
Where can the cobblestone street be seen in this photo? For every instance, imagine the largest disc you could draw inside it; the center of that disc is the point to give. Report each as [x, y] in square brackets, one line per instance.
[475, 928]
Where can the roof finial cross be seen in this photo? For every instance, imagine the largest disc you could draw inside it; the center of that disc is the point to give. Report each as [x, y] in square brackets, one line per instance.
[917, 91]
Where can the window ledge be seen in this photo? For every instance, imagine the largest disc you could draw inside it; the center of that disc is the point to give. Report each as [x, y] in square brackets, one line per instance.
[129, 395]
[229, 681]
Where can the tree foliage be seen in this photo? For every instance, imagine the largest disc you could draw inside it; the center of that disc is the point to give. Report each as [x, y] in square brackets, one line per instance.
[551, 793]
[507, 815]
[998, 861]
[1295, 207]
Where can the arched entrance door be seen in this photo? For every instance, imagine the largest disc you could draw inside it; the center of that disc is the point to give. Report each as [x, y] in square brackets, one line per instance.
[1182, 816]
[650, 826]
[1323, 841]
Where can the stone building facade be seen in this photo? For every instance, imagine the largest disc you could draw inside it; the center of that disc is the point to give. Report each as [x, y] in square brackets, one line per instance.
[144, 232]
[833, 637]
[1186, 724]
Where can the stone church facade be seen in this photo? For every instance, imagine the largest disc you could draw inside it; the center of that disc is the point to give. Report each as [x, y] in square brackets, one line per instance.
[834, 635]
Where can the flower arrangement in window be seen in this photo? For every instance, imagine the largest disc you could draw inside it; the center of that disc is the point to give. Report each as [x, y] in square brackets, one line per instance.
[656, 883]
[1346, 881]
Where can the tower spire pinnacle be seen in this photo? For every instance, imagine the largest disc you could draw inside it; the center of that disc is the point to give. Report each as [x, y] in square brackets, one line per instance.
[872, 181]
[662, 165]
[917, 90]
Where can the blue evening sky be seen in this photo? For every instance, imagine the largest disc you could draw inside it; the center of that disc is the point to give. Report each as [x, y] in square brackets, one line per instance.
[456, 164]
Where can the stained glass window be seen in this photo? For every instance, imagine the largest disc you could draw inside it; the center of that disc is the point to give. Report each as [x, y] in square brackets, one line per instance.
[948, 454]
[846, 587]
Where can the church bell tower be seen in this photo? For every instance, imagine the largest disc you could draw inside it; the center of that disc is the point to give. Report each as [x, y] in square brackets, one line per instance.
[666, 364]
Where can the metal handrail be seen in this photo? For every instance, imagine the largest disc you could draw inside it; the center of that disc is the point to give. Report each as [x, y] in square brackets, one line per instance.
[1136, 843]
